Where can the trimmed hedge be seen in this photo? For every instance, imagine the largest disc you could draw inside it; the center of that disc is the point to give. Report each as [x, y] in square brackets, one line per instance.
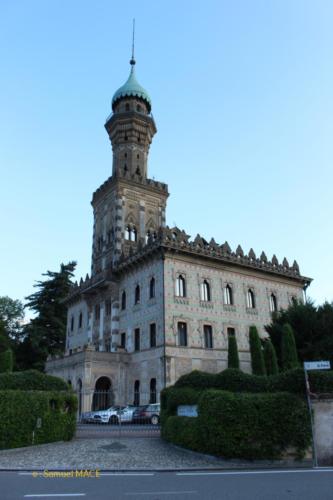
[32, 380]
[250, 426]
[20, 410]
[237, 381]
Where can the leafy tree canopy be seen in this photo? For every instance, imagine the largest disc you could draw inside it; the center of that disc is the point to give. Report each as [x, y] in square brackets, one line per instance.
[11, 316]
[46, 333]
[312, 327]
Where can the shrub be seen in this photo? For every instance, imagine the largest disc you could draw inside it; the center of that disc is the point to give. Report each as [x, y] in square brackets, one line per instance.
[289, 357]
[257, 358]
[32, 380]
[20, 410]
[264, 427]
[183, 431]
[233, 358]
[6, 361]
[270, 358]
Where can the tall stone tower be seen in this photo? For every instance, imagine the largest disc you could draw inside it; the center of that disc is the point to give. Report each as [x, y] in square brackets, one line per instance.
[129, 207]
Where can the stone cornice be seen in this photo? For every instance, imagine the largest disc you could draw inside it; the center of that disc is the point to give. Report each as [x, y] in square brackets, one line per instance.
[177, 241]
[132, 180]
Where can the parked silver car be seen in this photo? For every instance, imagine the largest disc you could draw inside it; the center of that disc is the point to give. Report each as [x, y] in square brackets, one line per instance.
[108, 416]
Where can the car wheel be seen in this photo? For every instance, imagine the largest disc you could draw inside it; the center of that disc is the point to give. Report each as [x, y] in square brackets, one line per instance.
[113, 420]
[154, 419]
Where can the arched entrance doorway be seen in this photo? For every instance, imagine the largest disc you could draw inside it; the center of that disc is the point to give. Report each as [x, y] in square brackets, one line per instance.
[103, 396]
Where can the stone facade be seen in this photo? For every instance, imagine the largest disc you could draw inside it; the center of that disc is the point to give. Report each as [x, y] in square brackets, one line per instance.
[158, 304]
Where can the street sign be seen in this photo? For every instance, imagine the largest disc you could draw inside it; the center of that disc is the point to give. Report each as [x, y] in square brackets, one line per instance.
[317, 365]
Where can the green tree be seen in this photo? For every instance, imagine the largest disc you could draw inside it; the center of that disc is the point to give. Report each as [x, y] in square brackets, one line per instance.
[46, 333]
[11, 316]
[270, 358]
[257, 358]
[289, 358]
[6, 361]
[233, 358]
[312, 327]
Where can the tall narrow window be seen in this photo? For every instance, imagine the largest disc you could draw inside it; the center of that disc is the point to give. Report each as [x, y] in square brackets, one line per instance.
[250, 300]
[108, 307]
[134, 234]
[72, 323]
[137, 295]
[127, 233]
[123, 300]
[136, 401]
[228, 296]
[123, 340]
[208, 335]
[152, 398]
[205, 291]
[152, 288]
[80, 320]
[152, 329]
[97, 312]
[180, 286]
[182, 333]
[137, 339]
[273, 303]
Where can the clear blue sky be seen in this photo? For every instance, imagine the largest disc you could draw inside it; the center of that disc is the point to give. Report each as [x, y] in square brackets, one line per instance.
[242, 98]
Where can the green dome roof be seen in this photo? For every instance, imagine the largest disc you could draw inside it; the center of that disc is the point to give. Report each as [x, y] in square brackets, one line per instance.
[132, 88]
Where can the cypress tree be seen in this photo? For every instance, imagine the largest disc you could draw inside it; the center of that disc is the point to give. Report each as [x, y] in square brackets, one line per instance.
[257, 358]
[270, 358]
[289, 358]
[6, 361]
[233, 358]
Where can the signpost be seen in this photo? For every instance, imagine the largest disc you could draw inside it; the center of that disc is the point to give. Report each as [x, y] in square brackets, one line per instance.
[313, 365]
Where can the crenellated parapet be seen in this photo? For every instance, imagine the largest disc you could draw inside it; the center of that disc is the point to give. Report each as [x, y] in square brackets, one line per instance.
[174, 239]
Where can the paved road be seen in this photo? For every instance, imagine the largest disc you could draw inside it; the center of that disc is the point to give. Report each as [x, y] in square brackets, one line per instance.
[289, 484]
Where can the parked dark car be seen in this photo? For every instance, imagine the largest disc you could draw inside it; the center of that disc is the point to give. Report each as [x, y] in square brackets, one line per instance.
[148, 414]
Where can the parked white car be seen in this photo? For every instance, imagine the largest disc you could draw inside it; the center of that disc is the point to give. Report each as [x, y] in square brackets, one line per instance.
[126, 414]
[108, 416]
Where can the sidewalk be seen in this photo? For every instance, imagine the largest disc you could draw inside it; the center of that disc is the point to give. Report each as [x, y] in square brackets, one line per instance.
[124, 453]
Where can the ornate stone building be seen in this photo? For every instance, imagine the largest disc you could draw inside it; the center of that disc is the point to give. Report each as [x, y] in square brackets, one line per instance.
[158, 304]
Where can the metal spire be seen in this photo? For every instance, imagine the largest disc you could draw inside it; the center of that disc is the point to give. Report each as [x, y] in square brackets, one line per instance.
[132, 61]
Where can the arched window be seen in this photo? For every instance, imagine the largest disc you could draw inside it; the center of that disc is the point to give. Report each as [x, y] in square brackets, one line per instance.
[205, 291]
[137, 295]
[127, 233]
[123, 300]
[136, 401]
[152, 288]
[228, 295]
[272, 303]
[180, 286]
[250, 300]
[147, 236]
[152, 398]
[133, 234]
[80, 320]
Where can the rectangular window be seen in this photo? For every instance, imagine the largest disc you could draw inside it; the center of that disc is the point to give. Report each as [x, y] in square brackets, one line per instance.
[108, 307]
[137, 339]
[182, 333]
[123, 340]
[231, 332]
[153, 335]
[97, 312]
[208, 335]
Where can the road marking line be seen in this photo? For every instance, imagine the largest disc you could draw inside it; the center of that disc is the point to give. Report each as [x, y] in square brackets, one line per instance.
[55, 495]
[162, 493]
[240, 473]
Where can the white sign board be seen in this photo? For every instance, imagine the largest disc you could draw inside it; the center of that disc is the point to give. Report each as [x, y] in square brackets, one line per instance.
[317, 365]
[187, 411]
